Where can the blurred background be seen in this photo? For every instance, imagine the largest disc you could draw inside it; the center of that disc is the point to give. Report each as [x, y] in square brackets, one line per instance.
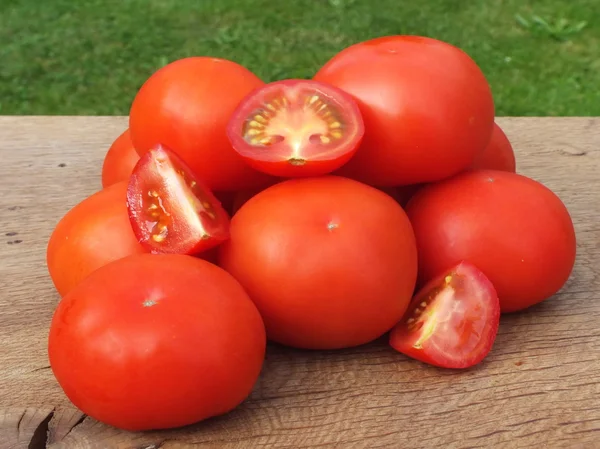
[88, 57]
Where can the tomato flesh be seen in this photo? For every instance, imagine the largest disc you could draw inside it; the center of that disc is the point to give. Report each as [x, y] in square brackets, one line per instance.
[171, 211]
[452, 322]
[296, 128]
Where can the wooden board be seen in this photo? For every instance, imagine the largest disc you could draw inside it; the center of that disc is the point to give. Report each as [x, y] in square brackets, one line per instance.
[539, 388]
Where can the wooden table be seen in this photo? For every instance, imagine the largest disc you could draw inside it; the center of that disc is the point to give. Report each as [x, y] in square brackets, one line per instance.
[539, 388]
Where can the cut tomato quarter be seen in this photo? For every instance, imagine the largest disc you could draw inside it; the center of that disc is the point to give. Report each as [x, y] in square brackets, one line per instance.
[452, 321]
[295, 128]
[171, 211]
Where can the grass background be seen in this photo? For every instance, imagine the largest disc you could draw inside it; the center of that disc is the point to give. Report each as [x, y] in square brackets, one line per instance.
[90, 57]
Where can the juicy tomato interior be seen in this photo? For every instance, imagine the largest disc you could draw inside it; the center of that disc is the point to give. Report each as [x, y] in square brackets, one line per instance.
[452, 321]
[171, 211]
[296, 128]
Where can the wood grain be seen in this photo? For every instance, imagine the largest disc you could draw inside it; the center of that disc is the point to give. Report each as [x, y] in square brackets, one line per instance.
[539, 388]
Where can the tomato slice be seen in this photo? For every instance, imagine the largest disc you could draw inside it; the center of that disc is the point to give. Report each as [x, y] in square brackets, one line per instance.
[296, 128]
[452, 321]
[171, 211]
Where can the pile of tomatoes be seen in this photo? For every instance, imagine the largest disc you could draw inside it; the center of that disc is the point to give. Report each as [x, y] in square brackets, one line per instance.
[379, 196]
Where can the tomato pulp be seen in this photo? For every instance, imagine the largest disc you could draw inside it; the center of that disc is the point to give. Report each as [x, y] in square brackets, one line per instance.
[296, 128]
[452, 322]
[171, 211]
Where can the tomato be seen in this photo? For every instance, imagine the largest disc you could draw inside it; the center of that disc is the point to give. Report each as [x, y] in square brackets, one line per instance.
[119, 160]
[171, 211]
[452, 322]
[93, 233]
[296, 128]
[329, 262]
[514, 229]
[186, 106]
[155, 342]
[427, 108]
[498, 155]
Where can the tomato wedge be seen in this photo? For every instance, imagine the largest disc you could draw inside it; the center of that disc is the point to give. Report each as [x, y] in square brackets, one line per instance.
[295, 128]
[452, 321]
[171, 211]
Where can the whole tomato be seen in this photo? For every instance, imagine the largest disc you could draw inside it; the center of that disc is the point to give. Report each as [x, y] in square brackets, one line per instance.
[186, 106]
[514, 229]
[427, 108]
[119, 160]
[328, 261]
[156, 341]
[93, 233]
[498, 154]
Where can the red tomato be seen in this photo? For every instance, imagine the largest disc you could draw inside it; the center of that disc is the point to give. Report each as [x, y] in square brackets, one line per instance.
[498, 155]
[452, 322]
[155, 342]
[119, 160]
[512, 228]
[186, 106]
[427, 108]
[296, 128]
[171, 211]
[329, 262]
[92, 234]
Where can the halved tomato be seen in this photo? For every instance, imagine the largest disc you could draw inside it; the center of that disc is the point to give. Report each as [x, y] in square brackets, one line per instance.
[296, 128]
[171, 211]
[452, 321]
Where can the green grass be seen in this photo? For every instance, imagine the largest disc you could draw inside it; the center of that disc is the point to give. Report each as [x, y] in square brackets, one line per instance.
[90, 57]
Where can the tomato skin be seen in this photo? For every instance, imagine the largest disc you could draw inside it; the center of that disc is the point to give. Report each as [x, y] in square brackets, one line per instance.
[156, 341]
[186, 106]
[329, 262]
[427, 108]
[514, 229]
[458, 326]
[119, 160]
[319, 128]
[93, 233]
[498, 155]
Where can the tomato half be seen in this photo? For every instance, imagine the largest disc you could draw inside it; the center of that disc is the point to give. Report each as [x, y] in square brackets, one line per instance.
[452, 322]
[514, 229]
[427, 108]
[186, 106]
[498, 155]
[296, 128]
[93, 233]
[170, 209]
[155, 342]
[119, 160]
[329, 262]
